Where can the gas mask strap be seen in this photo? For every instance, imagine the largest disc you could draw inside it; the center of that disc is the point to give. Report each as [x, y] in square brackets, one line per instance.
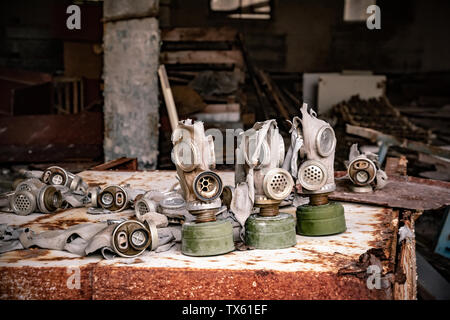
[34, 174]
[252, 162]
[291, 161]
[199, 133]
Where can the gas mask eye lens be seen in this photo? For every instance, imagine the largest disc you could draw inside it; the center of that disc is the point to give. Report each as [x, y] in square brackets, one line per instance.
[107, 199]
[185, 156]
[325, 141]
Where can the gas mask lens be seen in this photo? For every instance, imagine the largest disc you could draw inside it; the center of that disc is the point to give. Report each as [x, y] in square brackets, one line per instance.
[325, 141]
[185, 155]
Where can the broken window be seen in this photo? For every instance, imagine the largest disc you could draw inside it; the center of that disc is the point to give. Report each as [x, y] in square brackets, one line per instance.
[242, 9]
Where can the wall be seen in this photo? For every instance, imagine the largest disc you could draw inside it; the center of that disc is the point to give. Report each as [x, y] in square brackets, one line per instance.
[413, 37]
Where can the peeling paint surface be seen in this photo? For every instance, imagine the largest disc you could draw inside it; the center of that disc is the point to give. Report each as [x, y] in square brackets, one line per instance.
[307, 271]
[131, 90]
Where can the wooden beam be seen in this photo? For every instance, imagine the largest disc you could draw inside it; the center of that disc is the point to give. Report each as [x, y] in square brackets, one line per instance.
[168, 97]
[267, 83]
[203, 57]
[374, 136]
[121, 164]
[199, 34]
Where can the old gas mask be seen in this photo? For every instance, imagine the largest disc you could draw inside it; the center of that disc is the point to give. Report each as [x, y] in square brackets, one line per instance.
[314, 142]
[171, 204]
[260, 156]
[57, 176]
[194, 157]
[30, 196]
[363, 170]
[131, 238]
[114, 197]
[72, 187]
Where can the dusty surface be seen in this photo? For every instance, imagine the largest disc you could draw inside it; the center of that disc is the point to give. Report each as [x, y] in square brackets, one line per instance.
[307, 271]
[400, 192]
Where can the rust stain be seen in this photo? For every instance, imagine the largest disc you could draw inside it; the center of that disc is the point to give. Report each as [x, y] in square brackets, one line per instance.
[28, 254]
[95, 184]
[54, 224]
[215, 284]
[44, 283]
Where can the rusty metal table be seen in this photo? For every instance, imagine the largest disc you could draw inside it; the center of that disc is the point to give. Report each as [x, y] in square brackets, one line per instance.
[313, 269]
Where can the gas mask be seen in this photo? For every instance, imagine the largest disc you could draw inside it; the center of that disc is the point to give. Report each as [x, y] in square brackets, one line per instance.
[30, 196]
[131, 238]
[72, 187]
[169, 203]
[59, 177]
[364, 171]
[193, 156]
[313, 140]
[260, 156]
[114, 198]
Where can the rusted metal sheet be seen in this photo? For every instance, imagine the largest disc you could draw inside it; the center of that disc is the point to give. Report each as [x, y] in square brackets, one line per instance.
[46, 138]
[310, 270]
[400, 192]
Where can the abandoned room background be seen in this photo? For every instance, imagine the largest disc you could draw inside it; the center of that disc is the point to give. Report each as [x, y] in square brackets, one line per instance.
[78, 98]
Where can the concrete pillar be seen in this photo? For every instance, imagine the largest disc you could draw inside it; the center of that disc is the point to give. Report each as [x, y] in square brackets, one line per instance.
[131, 57]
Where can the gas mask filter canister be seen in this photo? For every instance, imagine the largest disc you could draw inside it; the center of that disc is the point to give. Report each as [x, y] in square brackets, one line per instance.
[316, 176]
[194, 157]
